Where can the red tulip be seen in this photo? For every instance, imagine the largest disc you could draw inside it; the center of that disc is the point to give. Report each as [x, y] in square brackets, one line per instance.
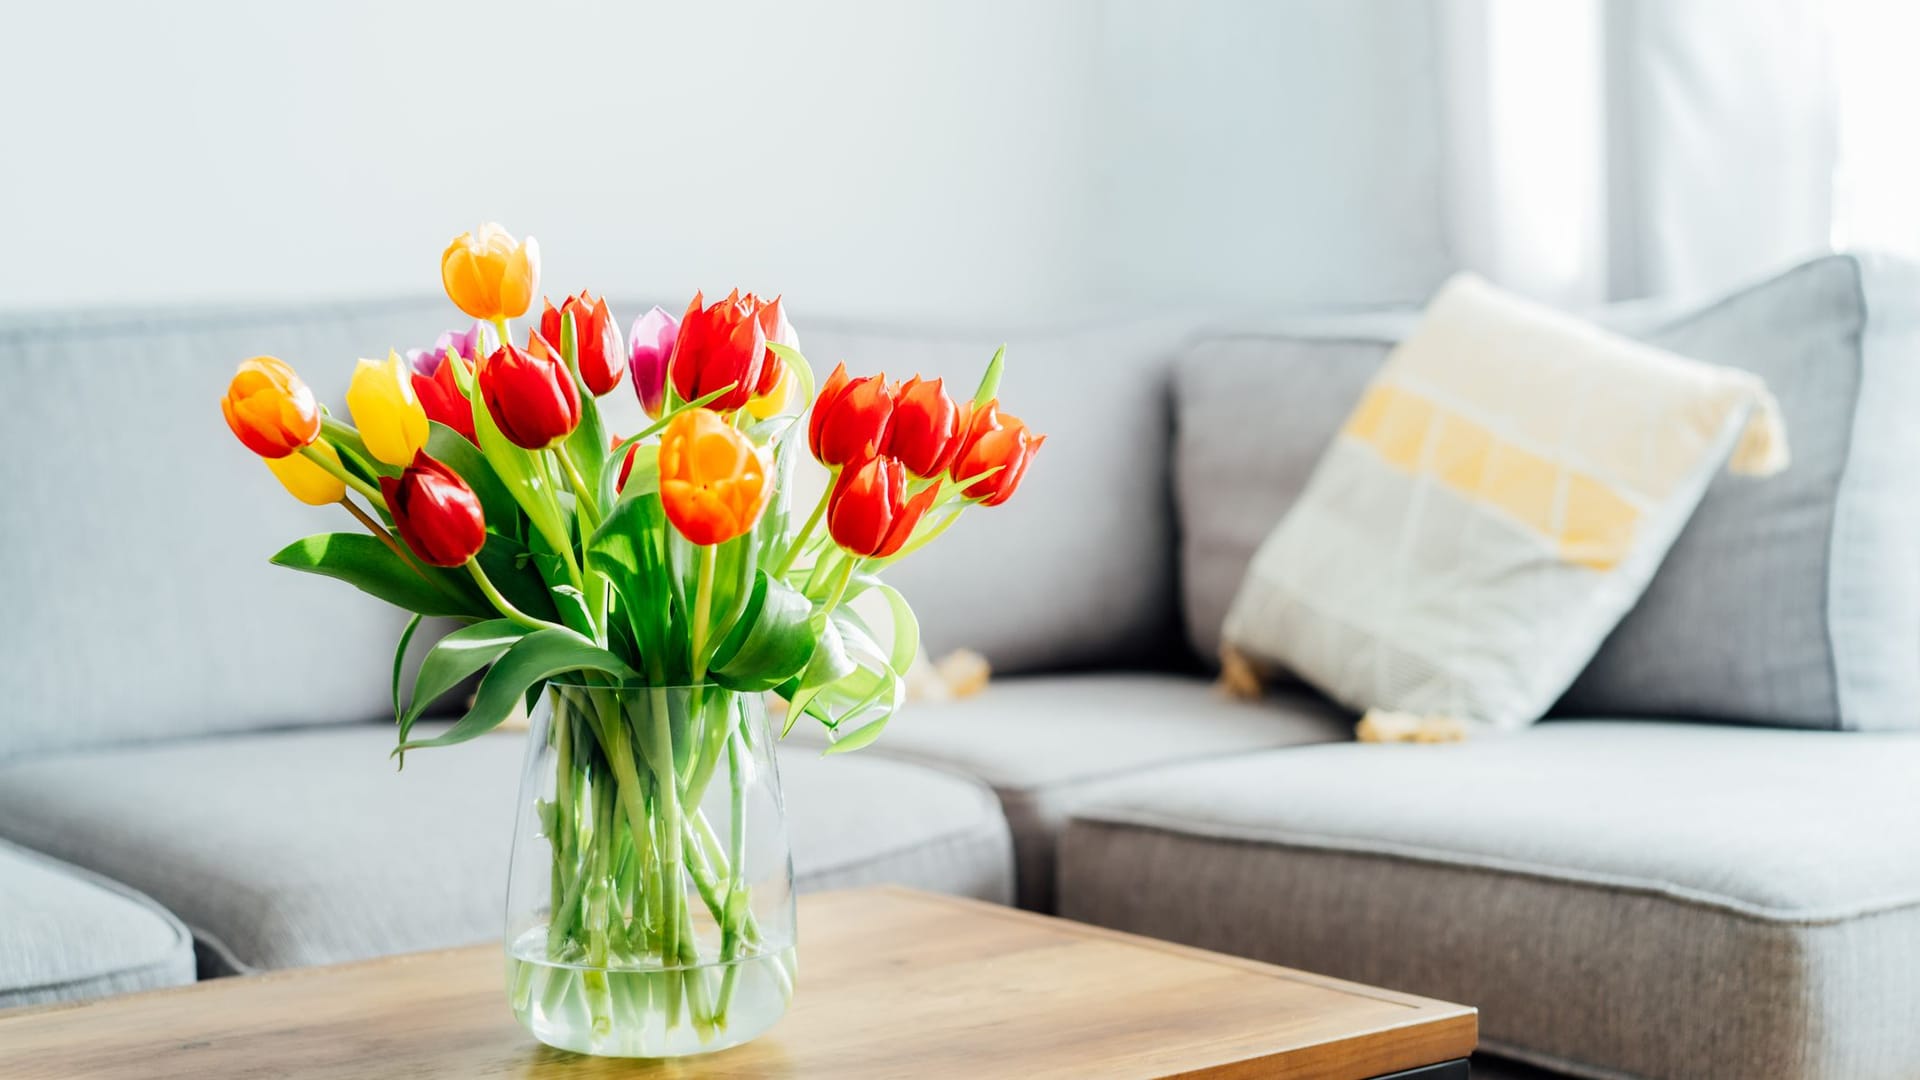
[530, 394]
[598, 352]
[436, 512]
[774, 324]
[626, 462]
[440, 396]
[989, 440]
[925, 431]
[850, 418]
[719, 346]
[869, 512]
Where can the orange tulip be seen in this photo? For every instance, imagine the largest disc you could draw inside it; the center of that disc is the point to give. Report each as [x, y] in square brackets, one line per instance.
[869, 513]
[714, 483]
[850, 418]
[989, 440]
[490, 275]
[270, 409]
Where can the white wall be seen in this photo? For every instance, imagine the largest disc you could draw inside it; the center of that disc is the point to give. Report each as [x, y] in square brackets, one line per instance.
[959, 160]
[874, 158]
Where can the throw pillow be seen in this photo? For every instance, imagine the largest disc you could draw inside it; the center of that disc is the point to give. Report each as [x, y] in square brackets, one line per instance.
[1499, 498]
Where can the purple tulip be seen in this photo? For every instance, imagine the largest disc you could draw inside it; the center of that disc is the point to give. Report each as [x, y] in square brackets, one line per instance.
[652, 337]
[471, 345]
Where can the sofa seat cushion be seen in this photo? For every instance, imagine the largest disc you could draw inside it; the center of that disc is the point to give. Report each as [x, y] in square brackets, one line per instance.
[306, 847]
[1636, 899]
[1047, 744]
[66, 934]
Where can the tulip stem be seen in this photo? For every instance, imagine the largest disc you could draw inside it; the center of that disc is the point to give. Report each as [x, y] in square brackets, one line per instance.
[702, 612]
[380, 532]
[805, 534]
[582, 495]
[504, 605]
[341, 473]
[840, 585]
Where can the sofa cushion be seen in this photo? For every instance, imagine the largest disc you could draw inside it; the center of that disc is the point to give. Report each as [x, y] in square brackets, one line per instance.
[1048, 744]
[1805, 580]
[1617, 898]
[144, 573]
[306, 847]
[68, 934]
[1077, 570]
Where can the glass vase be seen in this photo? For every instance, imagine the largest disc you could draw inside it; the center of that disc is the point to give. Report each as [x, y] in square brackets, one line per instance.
[650, 899]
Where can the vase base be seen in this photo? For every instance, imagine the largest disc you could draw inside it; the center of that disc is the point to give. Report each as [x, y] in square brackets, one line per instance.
[646, 1012]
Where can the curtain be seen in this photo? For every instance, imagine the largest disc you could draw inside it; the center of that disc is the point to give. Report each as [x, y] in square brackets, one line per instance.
[1630, 148]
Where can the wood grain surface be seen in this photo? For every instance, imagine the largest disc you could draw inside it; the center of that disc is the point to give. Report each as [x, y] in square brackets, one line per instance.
[893, 983]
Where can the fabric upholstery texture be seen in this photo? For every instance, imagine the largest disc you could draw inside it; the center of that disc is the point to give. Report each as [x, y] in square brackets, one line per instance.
[1794, 600]
[1497, 500]
[1049, 744]
[282, 849]
[66, 935]
[1618, 898]
[1791, 600]
[152, 608]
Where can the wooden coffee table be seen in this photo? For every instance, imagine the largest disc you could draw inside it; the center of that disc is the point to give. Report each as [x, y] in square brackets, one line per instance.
[893, 983]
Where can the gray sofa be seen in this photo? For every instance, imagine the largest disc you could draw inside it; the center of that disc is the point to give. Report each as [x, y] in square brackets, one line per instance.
[1649, 891]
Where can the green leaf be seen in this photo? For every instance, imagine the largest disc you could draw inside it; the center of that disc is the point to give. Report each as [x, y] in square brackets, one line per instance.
[508, 563]
[990, 382]
[801, 370]
[452, 659]
[627, 549]
[861, 736]
[450, 448]
[906, 628]
[829, 664]
[533, 659]
[772, 641]
[573, 609]
[523, 474]
[368, 565]
[587, 446]
[400, 660]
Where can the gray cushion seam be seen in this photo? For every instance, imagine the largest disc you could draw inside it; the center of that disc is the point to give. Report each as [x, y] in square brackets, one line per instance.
[1003, 789]
[1684, 894]
[227, 956]
[148, 321]
[1837, 508]
[108, 977]
[955, 838]
[182, 937]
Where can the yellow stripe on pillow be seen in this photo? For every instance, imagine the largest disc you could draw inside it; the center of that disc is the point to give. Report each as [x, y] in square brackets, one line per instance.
[1587, 520]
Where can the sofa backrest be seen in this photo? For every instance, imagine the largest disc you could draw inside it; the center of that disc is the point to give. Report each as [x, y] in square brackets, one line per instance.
[1791, 600]
[133, 559]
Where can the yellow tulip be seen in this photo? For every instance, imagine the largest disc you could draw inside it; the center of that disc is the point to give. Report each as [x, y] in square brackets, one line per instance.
[490, 275]
[386, 410]
[306, 480]
[775, 401]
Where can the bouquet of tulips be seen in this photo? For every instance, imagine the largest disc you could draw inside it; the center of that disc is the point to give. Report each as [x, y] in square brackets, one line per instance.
[489, 491]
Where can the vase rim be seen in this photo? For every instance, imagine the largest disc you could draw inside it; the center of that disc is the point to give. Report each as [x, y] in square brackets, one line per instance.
[574, 680]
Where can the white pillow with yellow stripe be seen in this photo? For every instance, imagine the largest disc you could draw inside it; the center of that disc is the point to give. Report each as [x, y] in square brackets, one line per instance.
[1495, 504]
